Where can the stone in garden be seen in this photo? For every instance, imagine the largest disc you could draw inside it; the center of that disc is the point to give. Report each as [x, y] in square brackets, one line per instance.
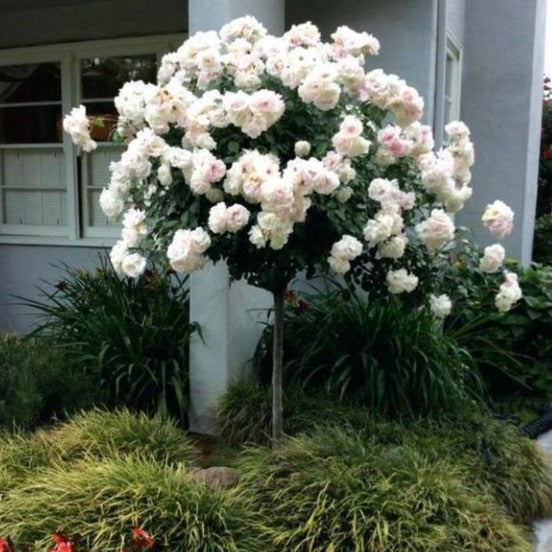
[216, 477]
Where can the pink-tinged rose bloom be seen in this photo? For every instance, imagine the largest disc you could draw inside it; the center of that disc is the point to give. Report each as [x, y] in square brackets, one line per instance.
[493, 257]
[237, 216]
[509, 292]
[498, 218]
[217, 218]
[437, 230]
[347, 248]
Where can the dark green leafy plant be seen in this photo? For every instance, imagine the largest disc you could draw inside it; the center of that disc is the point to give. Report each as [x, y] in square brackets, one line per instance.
[132, 334]
[513, 350]
[392, 358]
[40, 382]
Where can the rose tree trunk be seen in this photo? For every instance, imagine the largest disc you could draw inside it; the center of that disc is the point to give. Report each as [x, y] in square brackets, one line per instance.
[277, 368]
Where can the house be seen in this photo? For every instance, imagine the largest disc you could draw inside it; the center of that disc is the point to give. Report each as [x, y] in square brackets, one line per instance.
[476, 60]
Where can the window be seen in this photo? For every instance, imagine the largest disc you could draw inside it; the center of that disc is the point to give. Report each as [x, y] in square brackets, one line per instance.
[453, 81]
[47, 194]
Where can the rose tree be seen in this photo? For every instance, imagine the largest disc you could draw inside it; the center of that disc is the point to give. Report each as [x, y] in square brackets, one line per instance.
[282, 154]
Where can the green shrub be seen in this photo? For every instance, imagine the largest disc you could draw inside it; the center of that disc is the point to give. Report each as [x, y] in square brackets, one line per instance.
[392, 358]
[542, 239]
[21, 455]
[97, 434]
[39, 382]
[100, 433]
[496, 460]
[334, 490]
[103, 499]
[244, 412]
[133, 334]
[513, 350]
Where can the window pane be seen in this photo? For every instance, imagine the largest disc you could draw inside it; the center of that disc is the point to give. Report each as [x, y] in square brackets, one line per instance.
[38, 82]
[96, 169]
[30, 124]
[102, 77]
[32, 187]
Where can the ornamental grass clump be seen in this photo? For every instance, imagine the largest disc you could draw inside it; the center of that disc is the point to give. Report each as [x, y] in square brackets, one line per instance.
[102, 433]
[334, 490]
[96, 434]
[102, 499]
[283, 154]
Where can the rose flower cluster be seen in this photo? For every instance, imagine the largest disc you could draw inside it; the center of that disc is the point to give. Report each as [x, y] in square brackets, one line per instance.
[247, 138]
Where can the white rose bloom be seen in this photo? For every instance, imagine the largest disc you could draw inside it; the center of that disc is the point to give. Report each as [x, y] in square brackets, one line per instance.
[393, 248]
[256, 237]
[437, 230]
[400, 281]
[217, 218]
[77, 125]
[493, 257]
[302, 148]
[117, 254]
[339, 265]
[347, 248]
[498, 218]
[509, 292]
[164, 175]
[379, 228]
[440, 305]
[133, 265]
[380, 189]
[111, 203]
[237, 216]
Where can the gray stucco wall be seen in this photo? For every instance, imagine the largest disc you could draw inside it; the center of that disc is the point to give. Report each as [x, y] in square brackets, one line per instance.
[22, 267]
[456, 19]
[406, 29]
[502, 103]
[29, 23]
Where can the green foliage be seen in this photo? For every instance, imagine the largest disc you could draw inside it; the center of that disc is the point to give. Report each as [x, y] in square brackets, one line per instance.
[544, 196]
[40, 382]
[103, 499]
[393, 358]
[132, 334]
[336, 490]
[513, 349]
[351, 482]
[98, 434]
[542, 240]
[495, 461]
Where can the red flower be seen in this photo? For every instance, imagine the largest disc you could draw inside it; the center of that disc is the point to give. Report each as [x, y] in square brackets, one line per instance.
[141, 539]
[547, 154]
[63, 543]
[5, 546]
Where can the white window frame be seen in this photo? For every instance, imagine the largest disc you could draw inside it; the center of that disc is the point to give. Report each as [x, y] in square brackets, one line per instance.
[69, 57]
[454, 54]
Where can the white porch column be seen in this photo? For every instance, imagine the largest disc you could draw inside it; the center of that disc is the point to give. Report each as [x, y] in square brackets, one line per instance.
[229, 315]
[502, 104]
